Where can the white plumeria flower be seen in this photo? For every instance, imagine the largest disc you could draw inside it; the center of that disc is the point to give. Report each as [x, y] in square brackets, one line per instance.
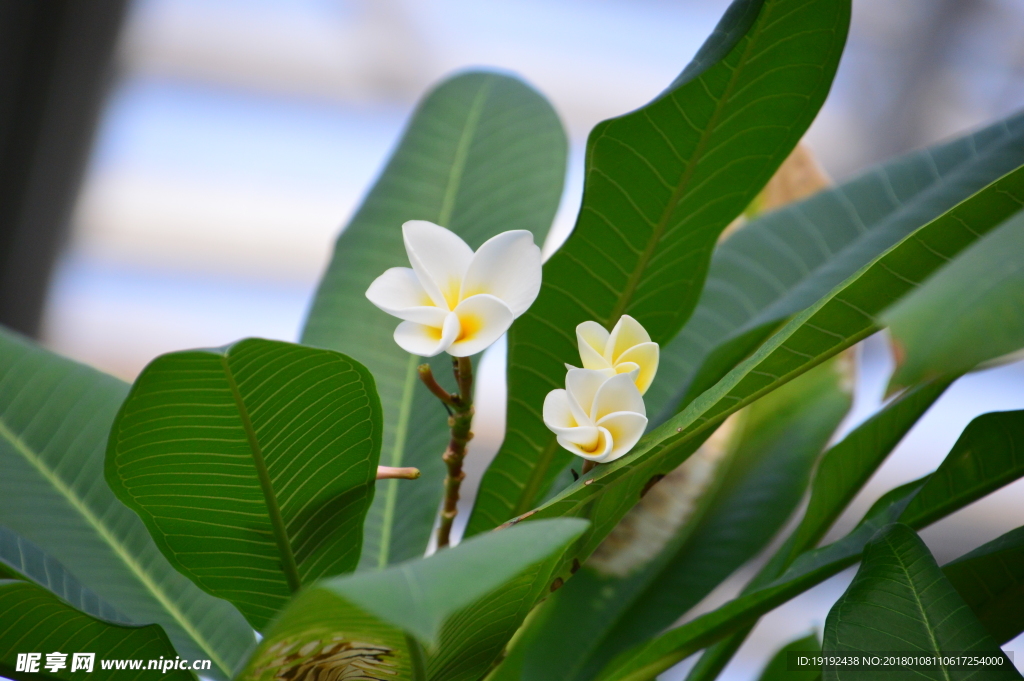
[454, 300]
[596, 417]
[627, 349]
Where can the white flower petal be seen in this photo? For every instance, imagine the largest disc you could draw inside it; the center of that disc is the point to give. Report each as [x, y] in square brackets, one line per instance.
[507, 266]
[627, 333]
[581, 417]
[482, 320]
[631, 368]
[427, 341]
[607, 372]
[596, 451]
[645, 356]
[582, 385]
[618, 393]
[440, 259]
[591, 338]
[586, 437]
[557, 413]
[398, 292]
[626, 428]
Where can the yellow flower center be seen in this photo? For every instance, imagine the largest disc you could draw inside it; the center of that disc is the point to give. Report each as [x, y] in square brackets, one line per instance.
[470, 324]
[451, 293]
[595, 446]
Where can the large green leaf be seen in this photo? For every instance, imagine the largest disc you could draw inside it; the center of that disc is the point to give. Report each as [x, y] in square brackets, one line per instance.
[985, 457]
[660, 184]
[484, 153]
[473, 640]
[787, 259]
[990, 579]
[55, 415]
[646, 661]
[34, 620]
[778, 667]
[251, 465]
[969, 312]
[832, 324]
[900, 602]
[835, 322]
[377, 621]
[21, 559]
[599, 614]
[850, 463]
[842, 472]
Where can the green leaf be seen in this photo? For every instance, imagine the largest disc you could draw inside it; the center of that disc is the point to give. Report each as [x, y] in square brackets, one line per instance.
[420, 596]
[21, 559]
[901, 602]
[841, 473]
[55, 415]
[977, 464]
[968, 312]
[483, 153]
[646, 661]
[762, 479]
[473, 639]
[832, 324]
[660, 184]
[784, 261]
[986, 456]
[465, 595]
[835, 322]
[778, 666]
[34, 620]
[849, 464]
[251, 465]
[990, 579]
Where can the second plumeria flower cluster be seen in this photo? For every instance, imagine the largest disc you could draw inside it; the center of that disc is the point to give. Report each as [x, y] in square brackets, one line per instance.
[600, 415]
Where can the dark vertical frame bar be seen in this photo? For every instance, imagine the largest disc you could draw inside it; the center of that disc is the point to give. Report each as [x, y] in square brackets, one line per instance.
[56, 60]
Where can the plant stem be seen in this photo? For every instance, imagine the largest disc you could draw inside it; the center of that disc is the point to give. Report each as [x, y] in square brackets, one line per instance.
[460, 422]
[427, 376]
[392, 473]
[588, 466]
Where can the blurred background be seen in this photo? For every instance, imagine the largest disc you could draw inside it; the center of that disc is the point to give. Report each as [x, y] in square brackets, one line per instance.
[176, 170]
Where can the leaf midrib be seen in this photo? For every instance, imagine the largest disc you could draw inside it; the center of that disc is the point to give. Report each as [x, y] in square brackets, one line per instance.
[284, 546]
[462, 153]
[112, 541]
[634, 278]
[920, 606]
[547, 455]
[455, 175]
[397, 454]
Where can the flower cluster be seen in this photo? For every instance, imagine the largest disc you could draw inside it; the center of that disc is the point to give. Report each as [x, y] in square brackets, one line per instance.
[600, 414]
[454, 300]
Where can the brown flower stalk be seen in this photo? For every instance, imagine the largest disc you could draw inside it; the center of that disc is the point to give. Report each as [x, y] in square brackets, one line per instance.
[460, 420]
